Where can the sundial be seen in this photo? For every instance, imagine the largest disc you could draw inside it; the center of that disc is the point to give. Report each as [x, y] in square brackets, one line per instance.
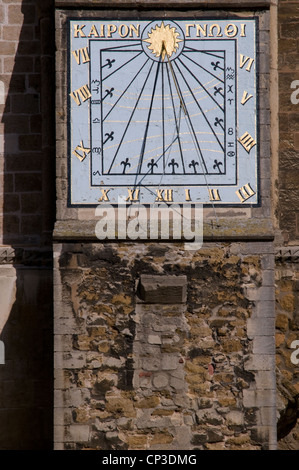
[163, 110]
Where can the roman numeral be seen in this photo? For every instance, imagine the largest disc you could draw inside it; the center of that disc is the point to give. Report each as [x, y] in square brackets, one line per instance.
[82, 149]
[133, 195]
[247, 141]
[82, 93]
[245, 192]
[104, 196]
[214, 195]
[164, 195]
[245, 97]
[244, 60]
[187, 194]
[83, 52]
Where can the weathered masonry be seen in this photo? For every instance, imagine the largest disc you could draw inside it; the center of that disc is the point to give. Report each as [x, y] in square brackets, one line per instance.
[160, 344]
[149, 225]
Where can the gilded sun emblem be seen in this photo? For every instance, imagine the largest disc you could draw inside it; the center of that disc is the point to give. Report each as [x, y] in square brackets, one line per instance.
[163, 40]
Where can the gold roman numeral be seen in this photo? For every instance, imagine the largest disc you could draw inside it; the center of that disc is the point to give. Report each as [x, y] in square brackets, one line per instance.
[164, 195]
[245, 97]
[83, 52]
[245, 192]
[247, 141]
[133, 194]
[104, 196]
[244, 60]
[82, 93]
[187, 194]
[82, 149]
[214, 195]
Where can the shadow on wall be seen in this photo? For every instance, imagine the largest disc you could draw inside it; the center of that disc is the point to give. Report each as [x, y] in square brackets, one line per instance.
[26, 325]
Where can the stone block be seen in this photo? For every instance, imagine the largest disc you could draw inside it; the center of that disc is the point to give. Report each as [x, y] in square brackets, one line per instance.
[63, 343]
[11, 203]
[160, 381]
[77, 433]
[260, 362]
[59, 399]
[268, 277]
[58, 446]
[235, 418]
[263, 294]
[151, 363]
[260, 398]
[260, 327]
[265, 308]
[258, 248]
[177, 383]
[265, 380]
[154, 339]
[162, 289]
[170, 362]
[59, 417]
[76, 360]
[58, 434]
[267, 415]
[28, 182]
[264, 345]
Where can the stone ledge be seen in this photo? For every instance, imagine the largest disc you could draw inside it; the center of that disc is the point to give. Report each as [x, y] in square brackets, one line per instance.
[211, 4]
[230, 229]
[155, 289]
[26, 256]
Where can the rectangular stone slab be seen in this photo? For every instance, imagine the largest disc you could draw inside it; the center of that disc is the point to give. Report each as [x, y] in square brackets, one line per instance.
[162, 289]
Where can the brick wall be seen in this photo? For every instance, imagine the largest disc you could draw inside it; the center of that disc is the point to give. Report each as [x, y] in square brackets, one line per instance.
[22, 143]
[26, 218]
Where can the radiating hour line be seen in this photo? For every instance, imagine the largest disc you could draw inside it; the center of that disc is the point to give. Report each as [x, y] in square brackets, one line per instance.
[199, 82]
[192, 132]
[175, 118]
[198, 65]
[191, 49]
[193, 135]
[163, 111]
[122, 46]
[148, 119]
[203, 114]
[123, 65]
[126, 89]
[157, 160]
[131, 117]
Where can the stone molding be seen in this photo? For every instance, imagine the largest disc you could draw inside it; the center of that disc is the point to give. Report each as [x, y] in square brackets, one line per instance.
[7, 255]
[287, 253]
[211, 4]
[25, 256]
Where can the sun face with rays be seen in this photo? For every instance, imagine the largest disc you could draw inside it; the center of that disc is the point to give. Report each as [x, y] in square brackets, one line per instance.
[163, 40]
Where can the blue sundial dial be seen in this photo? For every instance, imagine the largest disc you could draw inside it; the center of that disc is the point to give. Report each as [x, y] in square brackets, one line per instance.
[163, 105]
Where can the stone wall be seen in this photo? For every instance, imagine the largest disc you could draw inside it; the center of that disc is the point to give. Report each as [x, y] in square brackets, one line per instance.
[108, 391]
[161, 348]
[288, 188]
[287, 331]
[287, 213]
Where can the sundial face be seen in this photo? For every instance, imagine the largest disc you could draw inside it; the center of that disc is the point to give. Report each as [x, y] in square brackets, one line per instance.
[163, 110]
